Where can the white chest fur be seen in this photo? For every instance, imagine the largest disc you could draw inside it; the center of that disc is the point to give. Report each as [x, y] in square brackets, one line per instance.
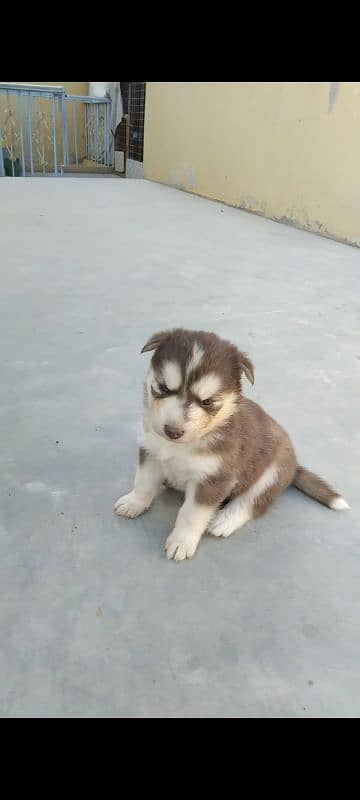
[181, 464]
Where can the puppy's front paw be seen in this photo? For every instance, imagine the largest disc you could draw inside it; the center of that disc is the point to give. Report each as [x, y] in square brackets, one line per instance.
[181, 546]
[130, 506]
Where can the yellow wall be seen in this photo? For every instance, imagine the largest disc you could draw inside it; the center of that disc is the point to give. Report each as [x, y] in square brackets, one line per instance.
[289, 151]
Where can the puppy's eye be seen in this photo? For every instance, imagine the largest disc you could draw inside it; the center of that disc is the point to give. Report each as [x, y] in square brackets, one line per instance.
[164, 389]
[207, 403]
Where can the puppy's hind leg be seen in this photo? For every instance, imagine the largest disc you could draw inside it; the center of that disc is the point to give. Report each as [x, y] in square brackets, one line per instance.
[247, 506]
[231, 518]
[148, 485]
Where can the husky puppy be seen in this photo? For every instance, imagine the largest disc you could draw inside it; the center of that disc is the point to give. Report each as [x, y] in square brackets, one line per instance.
[203, 437]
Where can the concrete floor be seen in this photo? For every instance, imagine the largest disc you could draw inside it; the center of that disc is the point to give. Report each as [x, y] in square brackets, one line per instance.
[94, 622]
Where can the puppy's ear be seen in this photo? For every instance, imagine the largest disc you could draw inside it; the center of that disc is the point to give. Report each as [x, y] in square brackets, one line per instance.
[247, 367]
[154, 342]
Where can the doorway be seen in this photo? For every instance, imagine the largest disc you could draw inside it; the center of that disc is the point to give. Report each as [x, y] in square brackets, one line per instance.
[129, 143]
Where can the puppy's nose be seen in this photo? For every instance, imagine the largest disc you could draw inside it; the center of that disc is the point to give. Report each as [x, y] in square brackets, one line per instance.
[173, 433]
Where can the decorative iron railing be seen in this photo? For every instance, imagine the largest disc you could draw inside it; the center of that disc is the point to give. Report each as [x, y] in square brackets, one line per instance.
[43, 130]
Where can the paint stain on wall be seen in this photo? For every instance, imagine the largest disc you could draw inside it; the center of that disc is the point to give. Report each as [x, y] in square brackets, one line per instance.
[333, 96]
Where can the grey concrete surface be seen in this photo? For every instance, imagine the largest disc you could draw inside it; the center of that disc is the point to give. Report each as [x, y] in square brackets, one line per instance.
[94, 622]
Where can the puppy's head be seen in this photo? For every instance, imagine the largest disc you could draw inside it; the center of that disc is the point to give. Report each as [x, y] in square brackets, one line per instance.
[194, 383]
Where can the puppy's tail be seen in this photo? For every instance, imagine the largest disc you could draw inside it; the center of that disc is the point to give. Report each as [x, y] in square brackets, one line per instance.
[315, 487]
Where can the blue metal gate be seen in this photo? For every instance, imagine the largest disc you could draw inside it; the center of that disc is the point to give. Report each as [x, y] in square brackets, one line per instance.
[43, 130]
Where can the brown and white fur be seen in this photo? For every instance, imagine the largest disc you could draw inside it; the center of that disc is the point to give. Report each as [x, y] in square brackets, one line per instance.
[203, 437]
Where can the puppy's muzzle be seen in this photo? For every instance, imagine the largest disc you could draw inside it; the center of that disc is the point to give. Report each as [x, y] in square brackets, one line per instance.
[173, 433]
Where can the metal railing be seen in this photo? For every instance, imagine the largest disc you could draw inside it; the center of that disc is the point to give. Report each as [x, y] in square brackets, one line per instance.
[97, 127]
[43, 130]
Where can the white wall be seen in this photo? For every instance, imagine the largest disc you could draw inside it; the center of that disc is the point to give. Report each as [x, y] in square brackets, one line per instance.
[98, 89]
